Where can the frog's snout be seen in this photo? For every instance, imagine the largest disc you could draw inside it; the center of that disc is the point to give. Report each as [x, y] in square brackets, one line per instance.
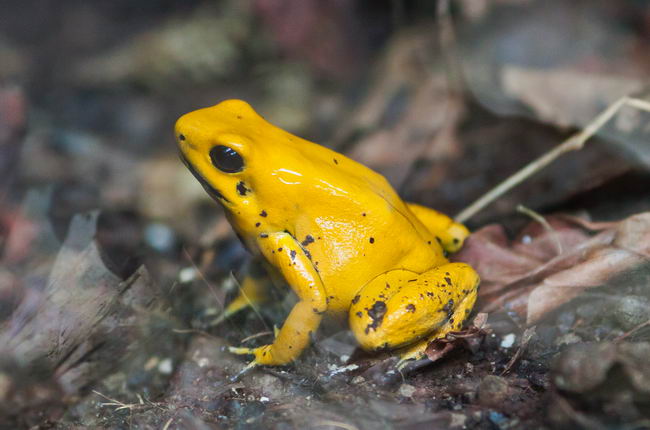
[181, 134]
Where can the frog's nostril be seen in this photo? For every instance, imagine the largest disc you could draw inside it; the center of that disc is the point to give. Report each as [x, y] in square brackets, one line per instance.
[181, 136]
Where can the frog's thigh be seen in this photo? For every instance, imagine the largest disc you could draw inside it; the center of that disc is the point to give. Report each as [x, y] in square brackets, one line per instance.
[401, 307]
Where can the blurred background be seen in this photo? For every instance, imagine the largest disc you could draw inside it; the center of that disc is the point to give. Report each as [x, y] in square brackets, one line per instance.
[114, 261]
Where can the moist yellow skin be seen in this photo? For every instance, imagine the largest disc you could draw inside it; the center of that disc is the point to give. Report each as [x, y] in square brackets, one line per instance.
[336, 231]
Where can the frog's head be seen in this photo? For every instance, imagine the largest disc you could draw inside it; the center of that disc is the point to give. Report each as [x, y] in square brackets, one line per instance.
[215, 150]
[251, 166]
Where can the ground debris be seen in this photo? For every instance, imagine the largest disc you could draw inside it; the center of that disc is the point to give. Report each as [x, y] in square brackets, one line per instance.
[528, 275]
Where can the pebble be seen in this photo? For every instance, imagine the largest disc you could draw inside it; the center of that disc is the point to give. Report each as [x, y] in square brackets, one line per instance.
[406, 390]
[508, 340]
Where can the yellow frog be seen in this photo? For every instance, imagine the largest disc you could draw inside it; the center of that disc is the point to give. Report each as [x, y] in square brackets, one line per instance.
[336, 231]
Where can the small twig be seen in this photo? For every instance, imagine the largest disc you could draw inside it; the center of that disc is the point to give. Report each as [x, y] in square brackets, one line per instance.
[573, 143]
[632, 331]
[211, 287]
[540, 219]
[525, 339]
[168, 423]
[338, 424]
[449, 47]
[119, 405]
[256, 335]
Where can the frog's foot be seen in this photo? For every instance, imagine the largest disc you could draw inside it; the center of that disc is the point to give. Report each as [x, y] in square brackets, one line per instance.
[262, 354]
[411, 353]
[221, 318]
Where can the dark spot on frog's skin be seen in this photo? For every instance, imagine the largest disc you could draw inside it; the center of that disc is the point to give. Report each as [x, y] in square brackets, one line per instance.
[257, 224]
[316, 311]
[411, 280]
[428, 242]
[448, 280]
[359, 314]
[456, 240]
[279, 249]
[238, 116]
[376, 313]
[449, 308]
[241, 188]
[363, 214]
[293, 254]
[356, 299]
[263, 214]
[372, 240]
[336, 161]
[429, 293]
[308, 239]
[410, 307]
[439, 240]
[181, 137]
[264, 235]
[451, 321]
[447, 273]
[307, 253]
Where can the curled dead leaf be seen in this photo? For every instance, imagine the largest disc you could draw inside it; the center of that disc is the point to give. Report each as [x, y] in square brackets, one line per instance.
[470, 339]
[530, 277]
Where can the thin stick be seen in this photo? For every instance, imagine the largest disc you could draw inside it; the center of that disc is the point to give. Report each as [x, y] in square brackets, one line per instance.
[573, 143]
[540, 219]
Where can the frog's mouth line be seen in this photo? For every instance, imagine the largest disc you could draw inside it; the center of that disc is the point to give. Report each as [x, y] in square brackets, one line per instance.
[212, 192]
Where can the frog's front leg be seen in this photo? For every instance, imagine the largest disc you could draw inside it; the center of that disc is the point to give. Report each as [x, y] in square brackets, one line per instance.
[285, 253]
[404, 310]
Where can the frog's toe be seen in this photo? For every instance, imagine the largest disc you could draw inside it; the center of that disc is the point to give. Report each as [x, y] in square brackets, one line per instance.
[241, 350]
[409, 357]
[250, 366]
[402, 363]
[218, 320]
[263, 355]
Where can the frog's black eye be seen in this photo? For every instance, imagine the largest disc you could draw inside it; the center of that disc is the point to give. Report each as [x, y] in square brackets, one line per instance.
[226, 159]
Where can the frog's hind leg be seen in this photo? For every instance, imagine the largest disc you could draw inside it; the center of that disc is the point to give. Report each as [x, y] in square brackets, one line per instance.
[253, 291]
[448, 232]
[404, 310]
[415, 351]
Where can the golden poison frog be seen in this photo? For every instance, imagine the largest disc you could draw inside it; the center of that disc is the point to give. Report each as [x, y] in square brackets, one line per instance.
[336, 231]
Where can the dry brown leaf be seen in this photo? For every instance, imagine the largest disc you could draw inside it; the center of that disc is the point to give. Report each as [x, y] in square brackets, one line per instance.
[470, 338]
[530, 277]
